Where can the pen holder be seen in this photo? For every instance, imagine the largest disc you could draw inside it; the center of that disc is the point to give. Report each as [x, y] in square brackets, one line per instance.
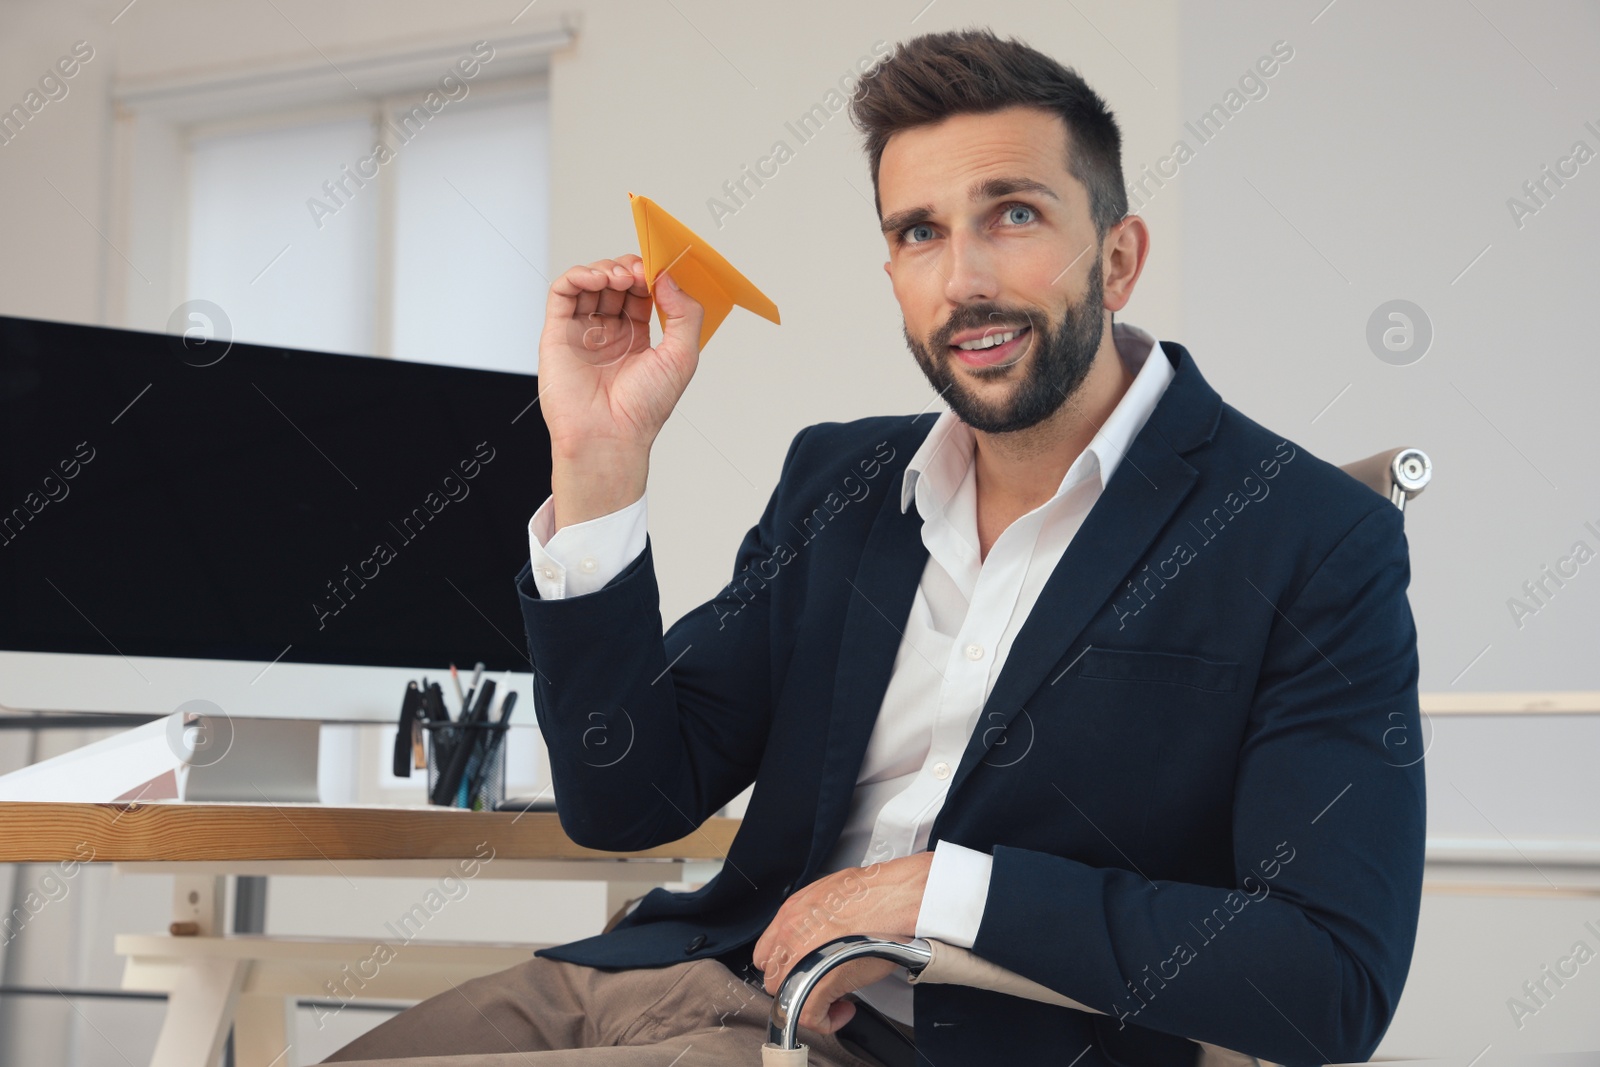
[481, 781]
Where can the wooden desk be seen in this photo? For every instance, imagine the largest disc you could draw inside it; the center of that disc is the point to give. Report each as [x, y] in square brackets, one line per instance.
[178, 832]
[214, 982]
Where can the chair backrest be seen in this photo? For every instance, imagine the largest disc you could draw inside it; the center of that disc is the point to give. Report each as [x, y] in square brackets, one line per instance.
[1396, 473]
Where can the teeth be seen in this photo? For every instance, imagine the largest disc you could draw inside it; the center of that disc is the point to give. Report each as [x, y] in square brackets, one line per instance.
[987, 342]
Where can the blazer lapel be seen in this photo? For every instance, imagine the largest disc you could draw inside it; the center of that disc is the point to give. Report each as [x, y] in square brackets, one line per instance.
[879, 602]
[1148, 485]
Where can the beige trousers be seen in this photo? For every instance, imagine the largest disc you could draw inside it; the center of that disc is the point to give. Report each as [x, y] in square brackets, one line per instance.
[549, 1013]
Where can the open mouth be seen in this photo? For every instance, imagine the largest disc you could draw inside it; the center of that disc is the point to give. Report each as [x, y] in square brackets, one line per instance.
[997, 353]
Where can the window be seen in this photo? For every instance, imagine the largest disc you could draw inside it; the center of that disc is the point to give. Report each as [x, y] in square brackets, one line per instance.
[253, 253]
[394, 233]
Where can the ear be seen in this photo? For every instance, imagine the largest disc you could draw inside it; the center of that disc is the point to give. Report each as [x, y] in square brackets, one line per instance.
[1125, 257]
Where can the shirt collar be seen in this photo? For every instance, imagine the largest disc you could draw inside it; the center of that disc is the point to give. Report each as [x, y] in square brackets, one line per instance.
[947, 451]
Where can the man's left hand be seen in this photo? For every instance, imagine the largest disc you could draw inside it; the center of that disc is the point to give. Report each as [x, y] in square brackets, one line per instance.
[881, 900]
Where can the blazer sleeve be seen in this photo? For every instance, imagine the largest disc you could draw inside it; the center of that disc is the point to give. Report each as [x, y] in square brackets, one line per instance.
[649, 734]
[1303, 960]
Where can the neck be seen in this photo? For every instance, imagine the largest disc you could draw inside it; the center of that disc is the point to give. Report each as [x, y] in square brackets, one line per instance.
[1018, 471]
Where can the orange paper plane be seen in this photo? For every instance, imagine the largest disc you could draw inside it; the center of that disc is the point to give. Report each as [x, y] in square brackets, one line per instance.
[667, 244]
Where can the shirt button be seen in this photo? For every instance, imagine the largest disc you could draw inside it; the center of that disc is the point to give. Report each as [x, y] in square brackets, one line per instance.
[941, 770]
[550, 574]
[588, 564]
[974, 651]
[694, 943]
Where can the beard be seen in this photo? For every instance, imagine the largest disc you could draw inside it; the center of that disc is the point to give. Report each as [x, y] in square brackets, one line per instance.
[1062, 356]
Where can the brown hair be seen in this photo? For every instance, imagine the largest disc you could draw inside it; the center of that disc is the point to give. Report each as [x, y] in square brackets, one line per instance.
[936, 75]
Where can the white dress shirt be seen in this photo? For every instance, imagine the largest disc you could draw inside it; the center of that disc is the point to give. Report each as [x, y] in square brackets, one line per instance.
[963, 619]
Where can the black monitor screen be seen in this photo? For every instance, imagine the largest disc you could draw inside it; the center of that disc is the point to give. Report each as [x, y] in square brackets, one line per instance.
[253, 502]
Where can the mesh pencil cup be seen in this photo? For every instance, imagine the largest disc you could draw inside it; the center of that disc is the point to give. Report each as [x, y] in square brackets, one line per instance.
[474, 755]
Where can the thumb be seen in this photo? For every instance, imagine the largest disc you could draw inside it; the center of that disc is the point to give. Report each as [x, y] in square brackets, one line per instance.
[840, 1012]
[684, 314]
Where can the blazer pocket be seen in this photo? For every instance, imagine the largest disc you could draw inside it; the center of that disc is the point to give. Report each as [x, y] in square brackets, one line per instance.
[1126, 665]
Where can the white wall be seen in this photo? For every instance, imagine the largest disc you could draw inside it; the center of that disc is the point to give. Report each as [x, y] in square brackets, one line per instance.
[1378, 167]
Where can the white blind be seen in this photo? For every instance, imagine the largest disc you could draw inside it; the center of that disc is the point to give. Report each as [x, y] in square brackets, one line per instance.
[472, 230]
[255, 251]
[441, 252]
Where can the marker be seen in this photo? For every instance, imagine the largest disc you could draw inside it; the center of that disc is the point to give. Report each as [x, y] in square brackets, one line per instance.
[474, 744]
[494, 744]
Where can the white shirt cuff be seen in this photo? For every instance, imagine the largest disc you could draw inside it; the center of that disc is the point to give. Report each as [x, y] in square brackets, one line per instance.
[952, 902]
[583, 557]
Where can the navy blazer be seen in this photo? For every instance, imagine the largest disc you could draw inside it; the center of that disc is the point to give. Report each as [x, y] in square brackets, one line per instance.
[1199, 772]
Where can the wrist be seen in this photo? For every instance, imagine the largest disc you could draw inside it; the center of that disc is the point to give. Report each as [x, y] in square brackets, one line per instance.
[924, 872]
[599, 451]
[599, 483]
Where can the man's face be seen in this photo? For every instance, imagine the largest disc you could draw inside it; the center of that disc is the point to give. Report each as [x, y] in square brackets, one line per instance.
[1017, 258]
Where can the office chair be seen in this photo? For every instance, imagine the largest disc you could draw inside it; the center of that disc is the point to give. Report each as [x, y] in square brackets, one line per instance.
[1398, 474]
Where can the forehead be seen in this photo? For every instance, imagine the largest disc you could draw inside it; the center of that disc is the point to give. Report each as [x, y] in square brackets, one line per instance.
[936, 164]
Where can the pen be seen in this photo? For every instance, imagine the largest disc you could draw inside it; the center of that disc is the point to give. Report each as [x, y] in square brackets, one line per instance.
[475, 731]
[506, 706]
[455, 677]
[477, 674]
[494, 742]
[483, 740]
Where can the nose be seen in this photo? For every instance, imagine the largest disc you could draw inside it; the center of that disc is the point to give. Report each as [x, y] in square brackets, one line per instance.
[970, 265]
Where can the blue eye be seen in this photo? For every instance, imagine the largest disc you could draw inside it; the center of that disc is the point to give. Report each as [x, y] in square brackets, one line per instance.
[1009, 208]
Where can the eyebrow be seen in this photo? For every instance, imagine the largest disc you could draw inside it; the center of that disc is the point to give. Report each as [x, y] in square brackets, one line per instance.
[988, 189]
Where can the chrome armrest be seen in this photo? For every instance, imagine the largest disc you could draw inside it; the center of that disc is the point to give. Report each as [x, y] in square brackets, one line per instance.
[929, 961]
[784, 1023]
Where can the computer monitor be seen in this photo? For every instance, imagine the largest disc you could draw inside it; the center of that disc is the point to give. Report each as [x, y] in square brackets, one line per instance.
[279, 532]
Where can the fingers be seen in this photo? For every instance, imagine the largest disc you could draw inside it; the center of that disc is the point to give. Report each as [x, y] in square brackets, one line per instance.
[580, 289]
[610, 302]
[605, 306]
[763, 945]
[615, 283]
[770, 944]
[827, 1008]
[840, 1012]
[775, 968]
